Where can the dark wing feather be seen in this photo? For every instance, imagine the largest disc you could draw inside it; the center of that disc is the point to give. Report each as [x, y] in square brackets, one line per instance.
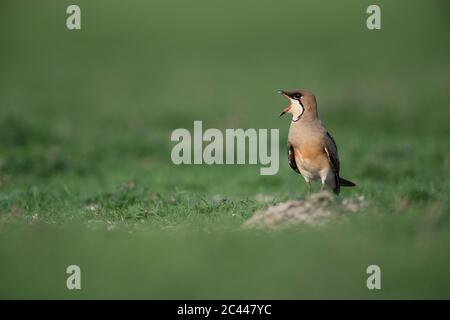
[333, 159]
[291, 158]
[332, 152]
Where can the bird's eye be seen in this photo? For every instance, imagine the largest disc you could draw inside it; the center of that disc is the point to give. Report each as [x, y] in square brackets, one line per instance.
[297, 96]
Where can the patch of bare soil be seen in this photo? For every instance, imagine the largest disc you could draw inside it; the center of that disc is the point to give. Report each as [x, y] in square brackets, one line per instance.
[317, 209]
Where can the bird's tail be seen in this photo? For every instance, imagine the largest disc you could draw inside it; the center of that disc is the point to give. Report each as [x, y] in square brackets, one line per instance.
[346, 183]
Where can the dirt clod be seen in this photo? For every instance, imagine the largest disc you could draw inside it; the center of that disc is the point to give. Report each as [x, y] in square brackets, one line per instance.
[316, 209]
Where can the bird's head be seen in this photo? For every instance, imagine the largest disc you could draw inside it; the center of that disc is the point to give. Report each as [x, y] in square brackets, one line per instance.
[302, 104]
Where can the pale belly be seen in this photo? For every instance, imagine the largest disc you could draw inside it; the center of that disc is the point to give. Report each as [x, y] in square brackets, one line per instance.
[312, 165]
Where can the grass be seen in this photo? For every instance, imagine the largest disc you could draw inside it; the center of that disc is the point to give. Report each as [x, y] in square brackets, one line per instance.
[85, 170]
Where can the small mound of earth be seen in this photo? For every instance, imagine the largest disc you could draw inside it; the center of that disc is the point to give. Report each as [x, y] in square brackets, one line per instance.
[317, 209]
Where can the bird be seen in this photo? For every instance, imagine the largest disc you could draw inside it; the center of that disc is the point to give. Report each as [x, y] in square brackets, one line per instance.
[312, 151]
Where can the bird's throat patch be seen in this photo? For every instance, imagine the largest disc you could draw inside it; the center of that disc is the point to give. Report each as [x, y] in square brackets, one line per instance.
[297, 110]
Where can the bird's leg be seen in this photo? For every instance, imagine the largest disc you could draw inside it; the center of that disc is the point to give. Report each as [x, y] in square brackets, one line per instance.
[309, 187]
[321, 187]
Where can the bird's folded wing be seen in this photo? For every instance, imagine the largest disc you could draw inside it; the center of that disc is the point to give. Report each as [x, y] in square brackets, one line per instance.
[332, 153]
[291, 158]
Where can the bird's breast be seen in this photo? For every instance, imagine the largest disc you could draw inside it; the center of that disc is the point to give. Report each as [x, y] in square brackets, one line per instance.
[311, 157]
[308, 141]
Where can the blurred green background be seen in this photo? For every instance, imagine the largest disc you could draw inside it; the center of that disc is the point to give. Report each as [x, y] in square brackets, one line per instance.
[85, 170]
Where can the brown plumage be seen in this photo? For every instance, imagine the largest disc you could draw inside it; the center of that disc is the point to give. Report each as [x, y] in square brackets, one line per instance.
[312, 151]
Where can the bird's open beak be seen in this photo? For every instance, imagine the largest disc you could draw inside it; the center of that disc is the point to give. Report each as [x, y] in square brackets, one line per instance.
[283, 93]
[287, 108]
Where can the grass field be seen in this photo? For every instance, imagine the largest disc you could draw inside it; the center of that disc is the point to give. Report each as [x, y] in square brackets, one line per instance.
[86, 176]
